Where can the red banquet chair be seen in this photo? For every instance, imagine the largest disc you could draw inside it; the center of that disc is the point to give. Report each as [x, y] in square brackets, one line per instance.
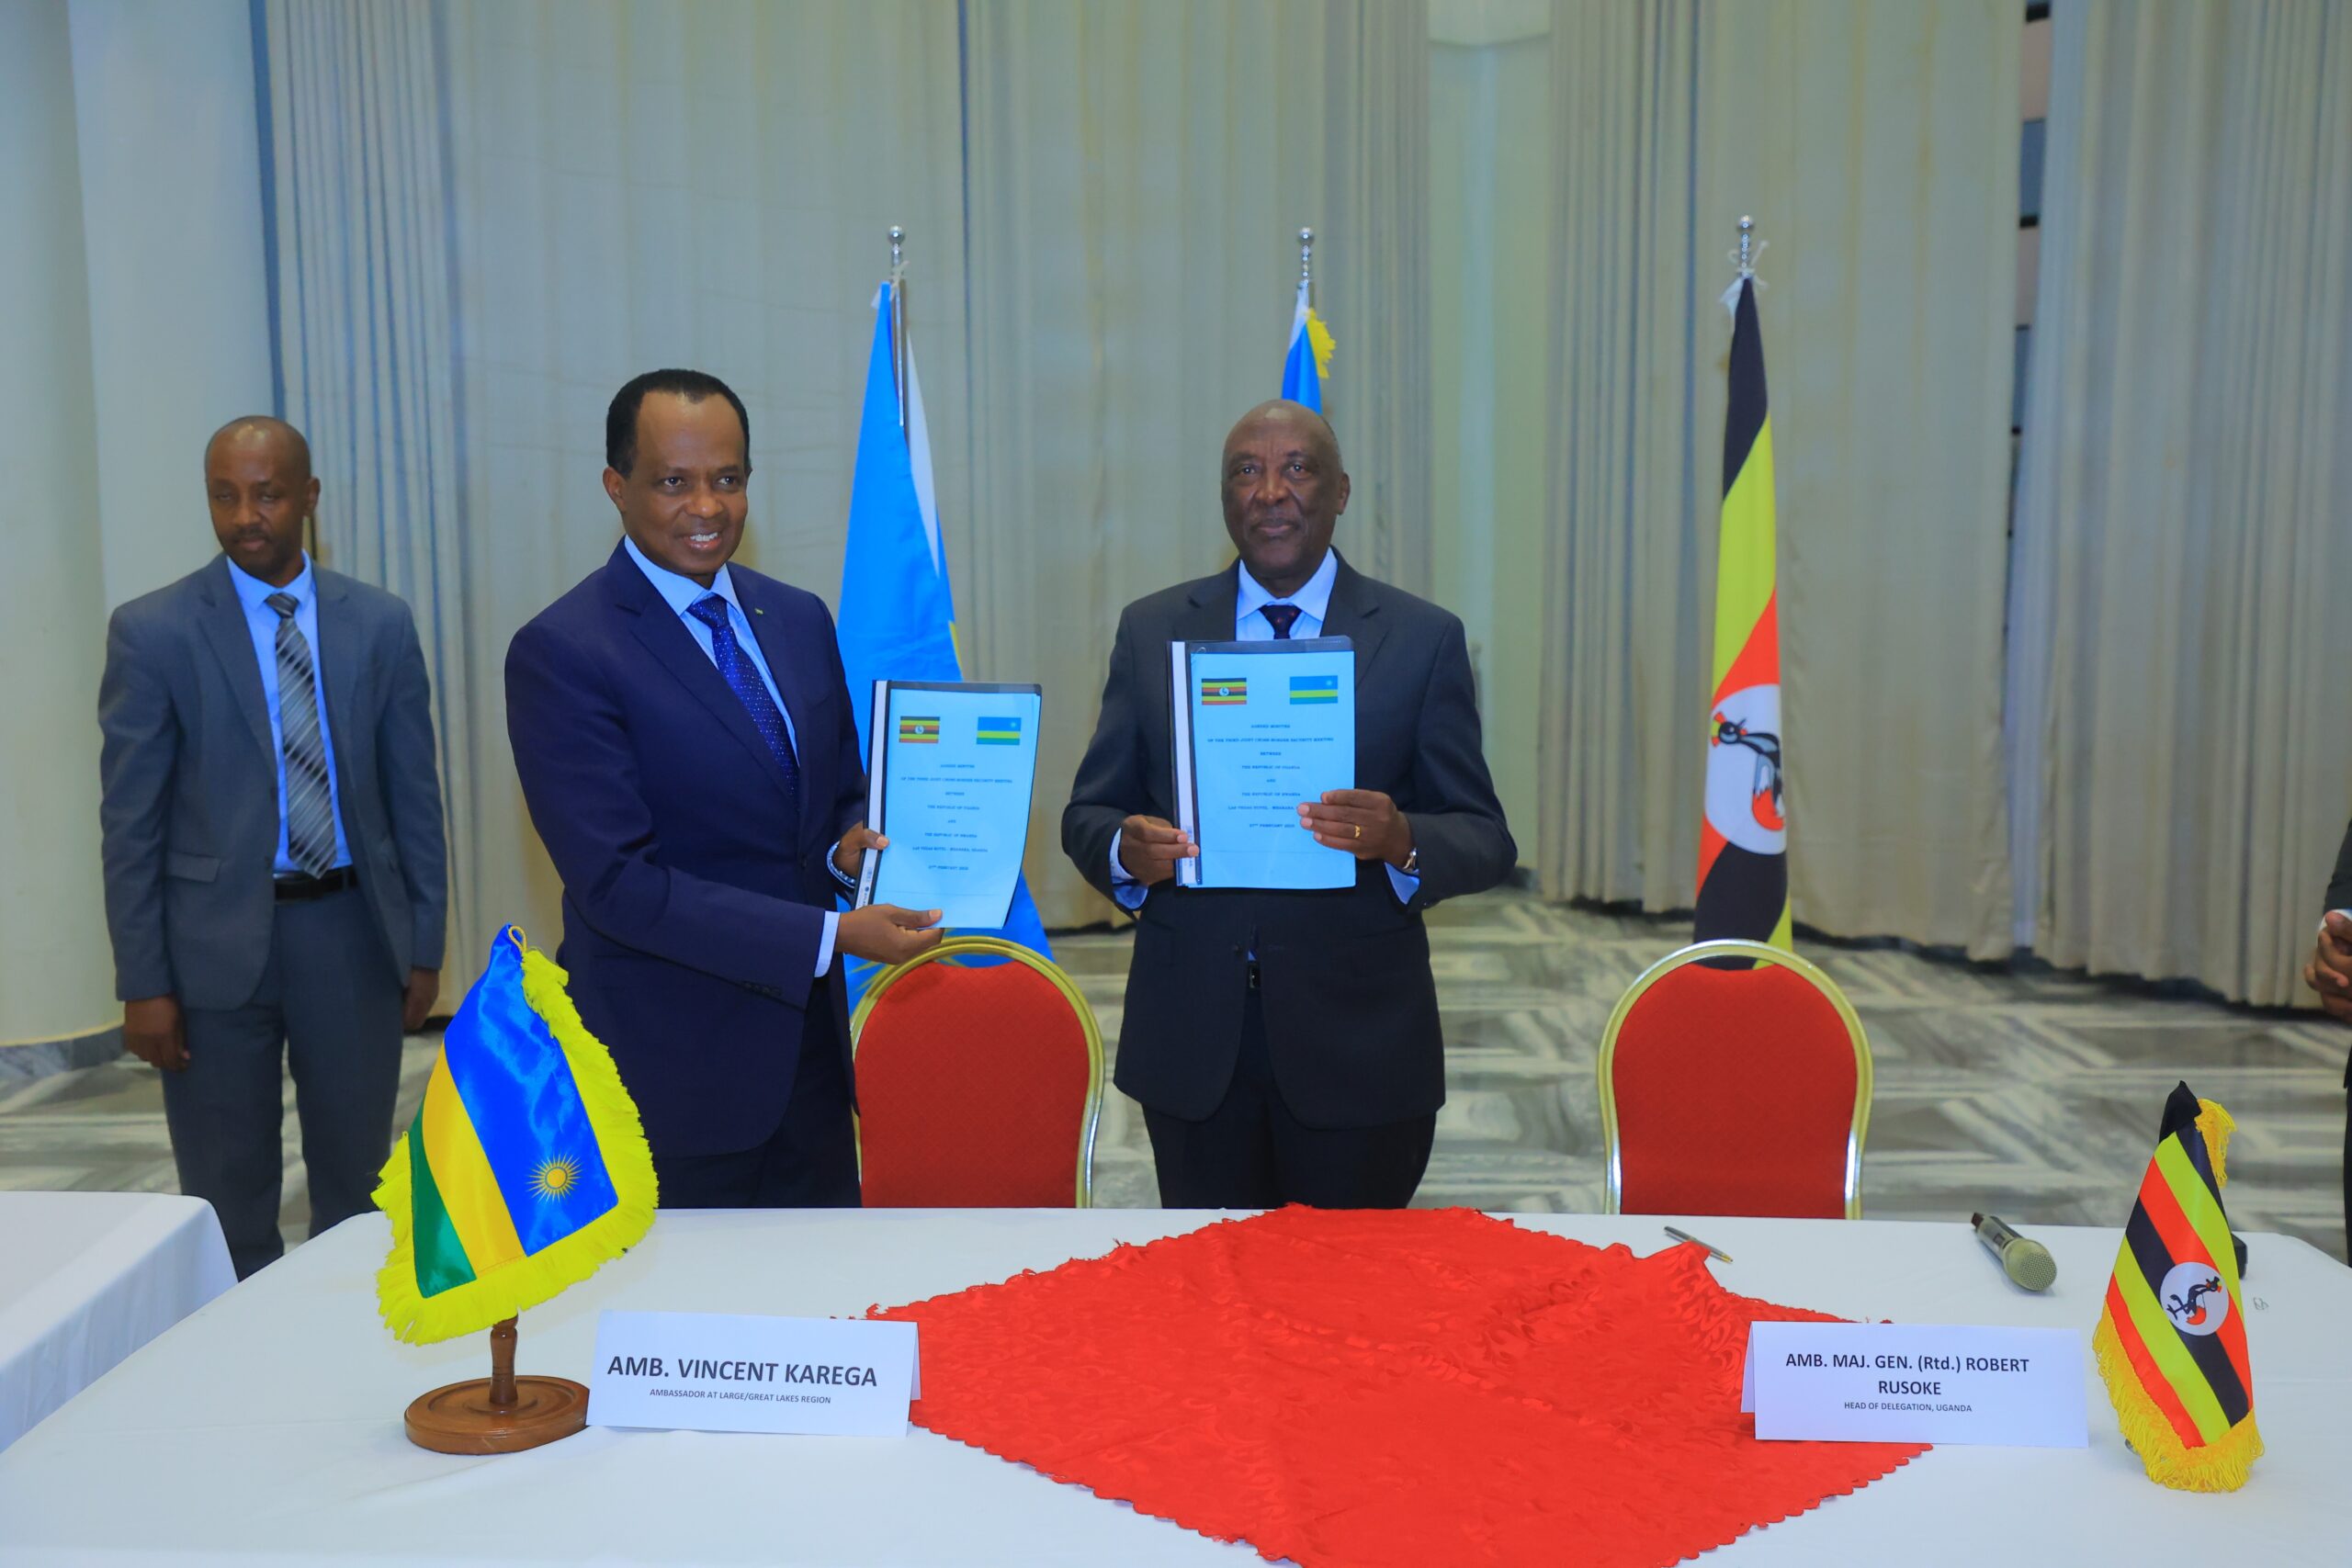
[978, 1087]
[1735, 1091]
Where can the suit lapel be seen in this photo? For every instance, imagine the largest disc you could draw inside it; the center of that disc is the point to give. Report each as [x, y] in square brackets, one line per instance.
[1354, 613]
[232, 643]
[768, 631]
[338, 659]
[673, 648]
[1209, 616]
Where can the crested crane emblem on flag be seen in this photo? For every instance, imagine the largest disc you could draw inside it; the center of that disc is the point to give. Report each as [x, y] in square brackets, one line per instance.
[1744, 780]
[525, 1169]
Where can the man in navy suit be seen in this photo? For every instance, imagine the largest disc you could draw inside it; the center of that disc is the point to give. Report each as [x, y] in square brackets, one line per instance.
[688, 748]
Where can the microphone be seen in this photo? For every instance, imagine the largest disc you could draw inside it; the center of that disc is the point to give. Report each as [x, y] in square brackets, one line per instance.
[2026, 1263]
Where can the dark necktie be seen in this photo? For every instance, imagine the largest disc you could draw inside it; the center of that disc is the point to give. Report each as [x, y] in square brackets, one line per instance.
[1281, 617]
[743, 679]
[309, 807]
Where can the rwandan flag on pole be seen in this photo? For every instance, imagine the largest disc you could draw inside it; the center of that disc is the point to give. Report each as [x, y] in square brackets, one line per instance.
[2171, 1343]
[525, 1169]
[898, 619]
[1308, 364]
[1743, 842]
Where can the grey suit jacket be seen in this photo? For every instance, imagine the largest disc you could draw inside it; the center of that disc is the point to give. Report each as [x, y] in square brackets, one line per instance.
[189, 776]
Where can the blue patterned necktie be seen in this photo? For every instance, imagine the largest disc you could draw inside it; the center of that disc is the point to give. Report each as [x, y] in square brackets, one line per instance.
[743, 679]
[1281, 617]
[309, 805]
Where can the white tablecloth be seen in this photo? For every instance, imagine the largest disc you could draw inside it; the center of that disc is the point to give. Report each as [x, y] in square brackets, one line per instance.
[86, 1279]
[270, 1424]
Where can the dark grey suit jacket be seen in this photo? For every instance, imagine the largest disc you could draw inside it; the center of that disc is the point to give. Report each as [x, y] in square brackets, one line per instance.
[1350, 1008]
[189, 781]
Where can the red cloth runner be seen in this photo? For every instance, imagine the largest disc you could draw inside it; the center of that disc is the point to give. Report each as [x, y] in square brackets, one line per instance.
[1368, 1388]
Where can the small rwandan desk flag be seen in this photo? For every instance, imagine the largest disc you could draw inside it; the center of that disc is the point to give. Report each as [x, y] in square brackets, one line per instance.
[1743, 842]
[2171, 1343]
[897, 618]
[525, 1169]
[1308, 364]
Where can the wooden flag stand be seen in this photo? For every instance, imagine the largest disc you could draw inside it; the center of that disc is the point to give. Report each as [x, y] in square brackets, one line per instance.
[500, 1414]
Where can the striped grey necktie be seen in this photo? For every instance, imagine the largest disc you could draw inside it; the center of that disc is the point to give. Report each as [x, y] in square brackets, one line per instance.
[309, 808]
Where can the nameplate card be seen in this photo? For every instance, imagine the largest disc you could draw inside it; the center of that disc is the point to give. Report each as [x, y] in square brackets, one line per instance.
[717, 1372]
[1911, 1383]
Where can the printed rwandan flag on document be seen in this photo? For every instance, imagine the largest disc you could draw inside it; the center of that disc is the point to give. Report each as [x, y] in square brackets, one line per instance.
[1004, 731]
[1315, 688]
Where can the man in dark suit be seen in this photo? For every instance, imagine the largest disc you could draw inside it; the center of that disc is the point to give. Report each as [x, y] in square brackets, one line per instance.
[1285, 1047]
[274, 854]
[2330, 973]
[688, 752]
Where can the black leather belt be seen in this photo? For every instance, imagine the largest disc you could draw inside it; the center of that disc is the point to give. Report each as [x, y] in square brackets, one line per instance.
[294, 888]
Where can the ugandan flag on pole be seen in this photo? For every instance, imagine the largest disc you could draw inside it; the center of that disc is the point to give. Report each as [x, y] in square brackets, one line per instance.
[1743, 842]
[525, 1169]
[2171, 1343]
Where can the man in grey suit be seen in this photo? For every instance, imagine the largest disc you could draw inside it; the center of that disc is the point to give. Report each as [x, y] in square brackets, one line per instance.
[274, 854]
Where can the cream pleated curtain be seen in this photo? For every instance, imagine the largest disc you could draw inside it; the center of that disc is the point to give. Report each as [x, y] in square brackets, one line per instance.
[1138, 173]
[1877, 147]
[2182, 766]
[488, 217]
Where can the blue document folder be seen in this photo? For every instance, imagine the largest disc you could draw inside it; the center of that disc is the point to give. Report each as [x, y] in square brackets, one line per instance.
[952, 767]
[1262, 728]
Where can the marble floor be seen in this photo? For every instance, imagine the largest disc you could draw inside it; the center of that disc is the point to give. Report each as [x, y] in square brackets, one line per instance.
[2031, 1095]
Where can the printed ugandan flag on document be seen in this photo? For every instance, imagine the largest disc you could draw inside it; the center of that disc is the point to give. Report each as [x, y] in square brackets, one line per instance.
[526, 1167]
[915, 731]
[1229, 692]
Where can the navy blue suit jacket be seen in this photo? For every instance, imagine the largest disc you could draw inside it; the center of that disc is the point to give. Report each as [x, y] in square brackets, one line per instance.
[693, 905]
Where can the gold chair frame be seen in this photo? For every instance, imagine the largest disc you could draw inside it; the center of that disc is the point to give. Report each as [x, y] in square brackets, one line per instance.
[1858, 1126]
[955, 949]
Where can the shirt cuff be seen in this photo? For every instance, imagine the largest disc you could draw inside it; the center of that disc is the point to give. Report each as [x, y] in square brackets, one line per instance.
[832, 868]
[1404, 886]
[1125, 891]
[825, 944]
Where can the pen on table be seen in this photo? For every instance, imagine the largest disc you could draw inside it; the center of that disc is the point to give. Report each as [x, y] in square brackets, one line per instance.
[1717, 1253]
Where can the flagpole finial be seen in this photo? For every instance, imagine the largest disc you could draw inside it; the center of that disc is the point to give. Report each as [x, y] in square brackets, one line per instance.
[1307, 256]
[1747, 240]
[898, 247]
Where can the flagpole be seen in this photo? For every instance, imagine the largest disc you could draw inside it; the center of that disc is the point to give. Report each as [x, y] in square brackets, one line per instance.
[1307, 262]
[899, 318]
[1747, 239]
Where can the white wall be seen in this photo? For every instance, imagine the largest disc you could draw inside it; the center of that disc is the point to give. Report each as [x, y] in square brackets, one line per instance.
[171, 223]
[1491, 284]
[133, 321]
[52, 617]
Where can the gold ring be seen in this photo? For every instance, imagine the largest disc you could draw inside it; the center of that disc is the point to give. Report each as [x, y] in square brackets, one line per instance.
[1359, 829]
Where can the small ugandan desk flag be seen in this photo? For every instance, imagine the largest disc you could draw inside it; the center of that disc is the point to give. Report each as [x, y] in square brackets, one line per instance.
[2171, 1343]
[525, 1168]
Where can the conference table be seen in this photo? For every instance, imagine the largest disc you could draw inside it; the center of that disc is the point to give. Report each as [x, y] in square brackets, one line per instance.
[86, 1279]
[268, 1426]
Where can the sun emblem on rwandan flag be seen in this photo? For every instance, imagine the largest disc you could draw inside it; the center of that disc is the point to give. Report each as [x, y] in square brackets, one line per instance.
[525, 1169]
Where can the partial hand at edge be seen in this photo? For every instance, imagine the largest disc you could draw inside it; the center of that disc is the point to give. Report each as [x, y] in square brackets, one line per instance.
[1149, 848]
[884, 934]
[153, 1030]
[416, 1002]
[1364, 822]
[848, 855]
